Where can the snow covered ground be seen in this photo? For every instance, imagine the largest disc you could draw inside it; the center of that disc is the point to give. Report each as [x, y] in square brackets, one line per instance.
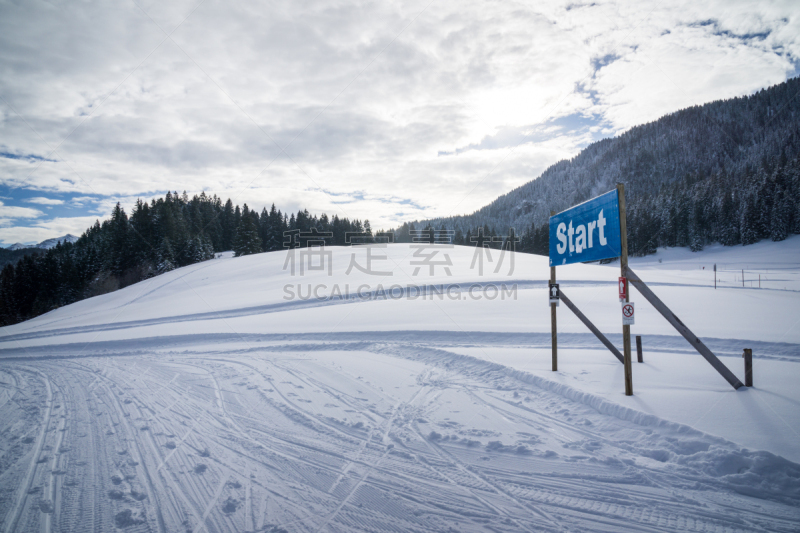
[211, 399]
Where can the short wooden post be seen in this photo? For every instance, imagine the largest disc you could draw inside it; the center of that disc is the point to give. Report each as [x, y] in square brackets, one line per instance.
[553, 329]
[748, 367]
[623, 262]
[639, 348]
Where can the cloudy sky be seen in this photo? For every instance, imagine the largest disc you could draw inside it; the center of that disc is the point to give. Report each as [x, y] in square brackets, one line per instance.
[389, 111]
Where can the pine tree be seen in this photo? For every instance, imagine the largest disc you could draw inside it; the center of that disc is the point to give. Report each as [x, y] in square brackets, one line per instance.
[120, 244]
[748, 222]
[729, 234]
[247, 240]
[166, 259]
[228, 223]
[779, 221]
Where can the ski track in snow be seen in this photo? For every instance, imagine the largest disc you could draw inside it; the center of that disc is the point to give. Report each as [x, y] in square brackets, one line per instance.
[355, 436]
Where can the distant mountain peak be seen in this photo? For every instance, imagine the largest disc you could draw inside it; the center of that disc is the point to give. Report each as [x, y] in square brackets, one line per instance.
[51, 243]
[46, 244]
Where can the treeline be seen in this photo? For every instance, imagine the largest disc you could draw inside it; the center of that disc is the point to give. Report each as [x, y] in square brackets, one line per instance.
[157, 237]
[12, 256]
[534, 240]
[699, 210]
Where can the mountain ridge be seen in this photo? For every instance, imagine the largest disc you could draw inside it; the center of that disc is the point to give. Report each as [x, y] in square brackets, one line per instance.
[45, 244]
[736, 159]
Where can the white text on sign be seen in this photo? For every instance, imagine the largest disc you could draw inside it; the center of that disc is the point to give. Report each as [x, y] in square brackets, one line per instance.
[580, 233]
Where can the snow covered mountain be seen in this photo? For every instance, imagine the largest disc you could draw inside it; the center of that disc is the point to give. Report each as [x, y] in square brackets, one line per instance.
[51, 243]
[264, 393]
[46, 244]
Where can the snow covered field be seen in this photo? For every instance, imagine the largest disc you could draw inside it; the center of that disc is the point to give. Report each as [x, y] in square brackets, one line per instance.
[208, 399]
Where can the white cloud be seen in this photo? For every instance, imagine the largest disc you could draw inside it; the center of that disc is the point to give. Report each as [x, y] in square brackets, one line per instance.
[362, 97]
[82, 201]
[44, 201]
[10, 212]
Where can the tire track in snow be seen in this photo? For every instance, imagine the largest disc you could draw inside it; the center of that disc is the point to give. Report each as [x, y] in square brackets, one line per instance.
[481, 479]
[375, 466]
[388, 424]
[665, 505]
[149, 486]
[465, 489]
[241, 431]
[350, 494]
[54, 479]
[464, 469]
[22, 494]
[189, 501]
[363, 480]
[210, 506]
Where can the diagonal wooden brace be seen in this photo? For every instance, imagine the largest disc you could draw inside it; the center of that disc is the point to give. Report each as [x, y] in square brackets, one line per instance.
[591, 326]
[718, 365]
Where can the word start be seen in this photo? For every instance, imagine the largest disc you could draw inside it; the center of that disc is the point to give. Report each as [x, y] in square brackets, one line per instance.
[584, 235]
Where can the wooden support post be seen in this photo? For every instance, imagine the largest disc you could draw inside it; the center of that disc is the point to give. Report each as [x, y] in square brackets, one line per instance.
[591, 326]
[639, 349]
[553, 329]
[623, 262]
[748, 367]
[637, 282]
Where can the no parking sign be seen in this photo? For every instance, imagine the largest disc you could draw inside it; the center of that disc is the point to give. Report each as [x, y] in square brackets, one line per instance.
[627, 314]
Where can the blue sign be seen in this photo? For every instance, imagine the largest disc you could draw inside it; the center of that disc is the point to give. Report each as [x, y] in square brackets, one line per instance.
[587, 232]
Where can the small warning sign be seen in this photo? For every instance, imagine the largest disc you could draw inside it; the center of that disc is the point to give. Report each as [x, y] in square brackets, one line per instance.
[555, 295]
[627, 314]
[623, 289]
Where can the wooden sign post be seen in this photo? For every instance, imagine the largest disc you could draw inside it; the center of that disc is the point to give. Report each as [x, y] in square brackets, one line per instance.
[623, 261]
[553, 331]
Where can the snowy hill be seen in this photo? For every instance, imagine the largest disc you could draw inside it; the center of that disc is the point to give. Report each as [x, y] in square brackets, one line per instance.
[17, 246]
[238, 395]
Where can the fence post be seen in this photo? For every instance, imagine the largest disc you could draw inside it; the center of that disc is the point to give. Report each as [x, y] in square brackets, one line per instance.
[748, 367]
[639, 348]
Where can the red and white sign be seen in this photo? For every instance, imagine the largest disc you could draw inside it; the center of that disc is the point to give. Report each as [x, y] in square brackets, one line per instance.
[627, 314]
[623, 289]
